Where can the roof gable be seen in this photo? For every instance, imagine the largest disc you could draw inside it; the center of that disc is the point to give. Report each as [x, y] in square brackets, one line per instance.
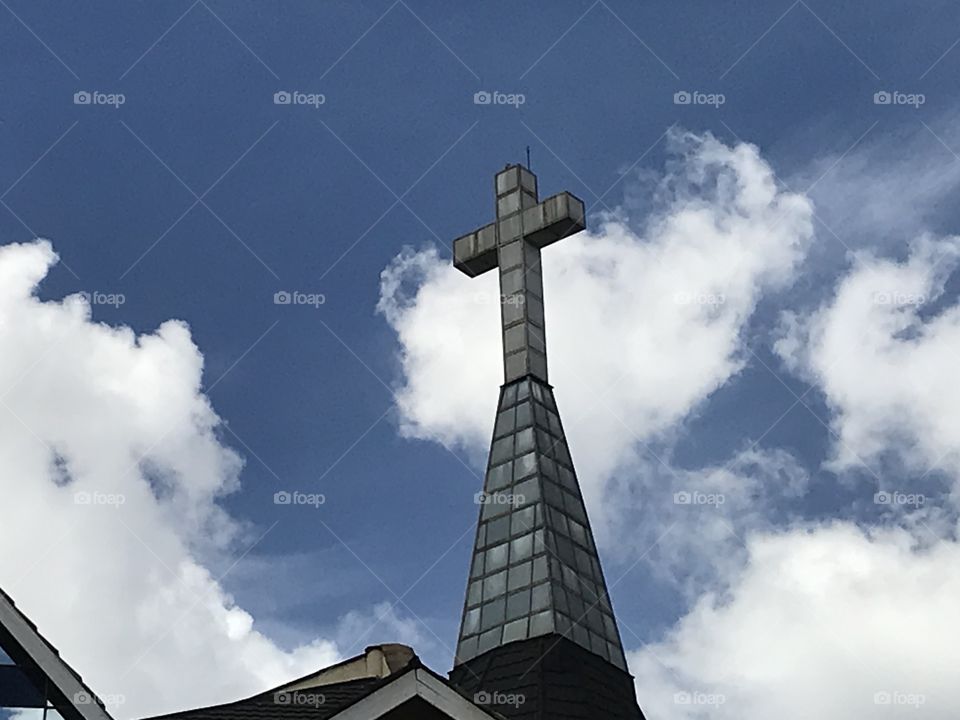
[38, 676]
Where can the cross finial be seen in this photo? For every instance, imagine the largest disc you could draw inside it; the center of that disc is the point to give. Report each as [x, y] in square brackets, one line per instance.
[513, 245]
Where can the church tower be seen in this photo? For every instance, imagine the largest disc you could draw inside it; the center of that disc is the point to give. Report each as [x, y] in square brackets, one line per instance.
[538, 636]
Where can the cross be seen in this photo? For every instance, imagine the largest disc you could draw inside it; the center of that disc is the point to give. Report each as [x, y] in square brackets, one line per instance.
[523, 227]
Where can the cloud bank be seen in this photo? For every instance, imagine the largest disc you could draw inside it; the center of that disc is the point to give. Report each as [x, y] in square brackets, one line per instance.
[110, 473]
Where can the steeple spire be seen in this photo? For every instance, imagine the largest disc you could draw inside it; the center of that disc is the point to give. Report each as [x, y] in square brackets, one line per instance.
[537, 613]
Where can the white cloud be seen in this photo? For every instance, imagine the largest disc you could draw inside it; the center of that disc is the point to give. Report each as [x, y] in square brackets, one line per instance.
[642, 324]
[93, 414]
[883, 352]
[823, 622]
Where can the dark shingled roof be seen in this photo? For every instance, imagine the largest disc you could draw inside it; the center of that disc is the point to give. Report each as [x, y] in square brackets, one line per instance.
[331, 700]
[328, 701]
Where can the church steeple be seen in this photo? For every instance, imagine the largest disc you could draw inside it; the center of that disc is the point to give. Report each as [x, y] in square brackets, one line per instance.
[537, 618]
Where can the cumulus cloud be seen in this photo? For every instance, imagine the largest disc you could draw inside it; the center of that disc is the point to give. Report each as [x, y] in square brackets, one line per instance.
[828, 622]
[882, 350]
[643, 322]
[110, 474]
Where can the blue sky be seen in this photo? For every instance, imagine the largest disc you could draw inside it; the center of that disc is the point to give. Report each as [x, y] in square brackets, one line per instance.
[199, 198]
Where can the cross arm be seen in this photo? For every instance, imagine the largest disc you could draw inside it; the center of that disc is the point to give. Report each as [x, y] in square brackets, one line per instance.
[557, 217]
[476, 253]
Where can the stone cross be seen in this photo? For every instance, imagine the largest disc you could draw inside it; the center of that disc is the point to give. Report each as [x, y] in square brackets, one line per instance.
[513, 245]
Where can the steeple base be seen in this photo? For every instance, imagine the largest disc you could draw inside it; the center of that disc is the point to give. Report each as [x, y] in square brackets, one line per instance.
[547, 678]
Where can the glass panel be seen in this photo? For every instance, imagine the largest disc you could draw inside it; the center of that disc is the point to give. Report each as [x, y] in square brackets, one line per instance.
[471, 621]
[489, 640]
[521, 548]
[524, 415]
[468, 649]
[537, 392]
[525, 465]
[519, 576]
[498, 530]
[492, 613]
[518, 604]
[526, 492]
[523, 520]
[495, 585]
[517, 630]
[523, 390]
[477, 569]
[609, 627]
[547, 466]
[541, 624]
[539, 568]
[500, 476]
[473, 594]
[496, 557]
[580, 636]
[502, 450]
[560, 599]
[505, 422]
[509, 395]
[578, 533]
[525, 441]
[551, 494]
[540, 597]
[599, 645]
